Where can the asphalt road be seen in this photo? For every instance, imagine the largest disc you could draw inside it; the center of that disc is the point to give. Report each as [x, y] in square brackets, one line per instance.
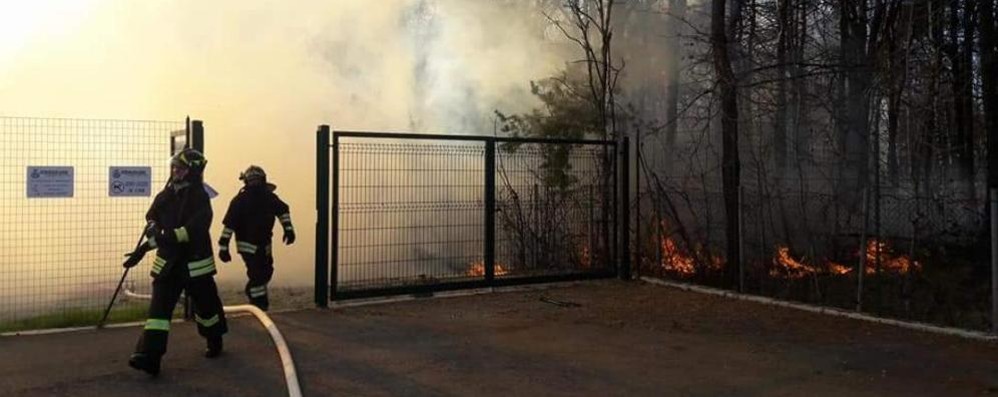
[626, 339]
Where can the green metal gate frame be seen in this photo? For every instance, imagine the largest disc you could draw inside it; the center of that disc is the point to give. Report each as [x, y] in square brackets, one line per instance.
[327, 216]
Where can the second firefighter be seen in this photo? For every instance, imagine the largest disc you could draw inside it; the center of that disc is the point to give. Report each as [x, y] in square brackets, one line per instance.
[250, 218]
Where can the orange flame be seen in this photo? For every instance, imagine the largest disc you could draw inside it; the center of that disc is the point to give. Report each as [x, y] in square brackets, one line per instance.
[477, 269]
[674, 260]
[586, 258]
[888, 262]
[838, 269]
[786, 265]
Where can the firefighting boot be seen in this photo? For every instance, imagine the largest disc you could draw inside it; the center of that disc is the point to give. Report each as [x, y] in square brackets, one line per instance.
[145, 362]
[214, 348]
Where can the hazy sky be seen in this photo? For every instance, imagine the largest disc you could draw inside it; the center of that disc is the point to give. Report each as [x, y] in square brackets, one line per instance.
[263, 74]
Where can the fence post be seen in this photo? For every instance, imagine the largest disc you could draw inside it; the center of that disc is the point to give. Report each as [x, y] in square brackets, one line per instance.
[862, 251]
[639, 244]
[322, 216]
[624, 260]
[608, 194]
[741, 239]
[195, 141]
[994, 260]
[593, 252]
[197, 136]
[489, 250]
[535, 235]
[878, 244]
[334, 225]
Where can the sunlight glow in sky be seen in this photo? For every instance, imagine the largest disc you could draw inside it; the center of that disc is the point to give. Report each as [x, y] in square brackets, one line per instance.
[22, 22]
[263, 74]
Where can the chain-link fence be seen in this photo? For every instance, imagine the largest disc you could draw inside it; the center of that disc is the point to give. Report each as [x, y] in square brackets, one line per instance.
[74, 195]
[887, 251]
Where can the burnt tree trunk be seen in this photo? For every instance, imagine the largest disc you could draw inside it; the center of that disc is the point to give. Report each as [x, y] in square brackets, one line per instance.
[780, 117]
[960, 54]
[674, 54]
[989, 64]
[729, 131]
[899, 48]
[857, 81]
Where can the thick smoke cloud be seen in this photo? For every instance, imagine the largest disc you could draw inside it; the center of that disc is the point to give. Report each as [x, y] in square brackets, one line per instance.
[262, 75]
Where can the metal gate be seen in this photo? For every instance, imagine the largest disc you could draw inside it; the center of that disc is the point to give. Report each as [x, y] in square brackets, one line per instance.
[417, 213]
[74, 193]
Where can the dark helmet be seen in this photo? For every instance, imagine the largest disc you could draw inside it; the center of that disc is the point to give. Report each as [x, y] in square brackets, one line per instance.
[191, 159]
[253, 175]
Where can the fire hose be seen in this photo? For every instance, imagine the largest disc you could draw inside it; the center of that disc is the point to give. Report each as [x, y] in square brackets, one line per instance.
[290, 374]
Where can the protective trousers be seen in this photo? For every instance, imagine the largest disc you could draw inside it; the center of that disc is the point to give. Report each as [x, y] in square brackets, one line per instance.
[259, 269]
[166, 289]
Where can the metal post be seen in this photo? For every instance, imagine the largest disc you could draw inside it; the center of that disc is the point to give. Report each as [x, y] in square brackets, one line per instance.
[607, 192]
[489, 250]
[593, 252]
[197, 136]
[535, 235]
[334, 227]
[322, 216]
[195, 140]
[624, 268]
[659, 255]
[639, 244]
[862, 252]
[994, 260]
[741, 239]
[878, 242]
[614, 197]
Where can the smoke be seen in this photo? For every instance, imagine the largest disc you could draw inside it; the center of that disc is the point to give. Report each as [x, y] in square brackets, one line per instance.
[262, 75]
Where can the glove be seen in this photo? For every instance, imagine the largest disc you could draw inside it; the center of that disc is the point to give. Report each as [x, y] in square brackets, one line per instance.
[289, 237]
[134, 258]
[153, 230]
[224, 256]
[162, 236]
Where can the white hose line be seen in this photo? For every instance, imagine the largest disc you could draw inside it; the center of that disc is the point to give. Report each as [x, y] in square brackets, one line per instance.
[290, 374]
[963, 333]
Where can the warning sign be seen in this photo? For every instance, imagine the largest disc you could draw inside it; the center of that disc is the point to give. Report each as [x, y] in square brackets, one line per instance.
[43, 182]
[129, 182]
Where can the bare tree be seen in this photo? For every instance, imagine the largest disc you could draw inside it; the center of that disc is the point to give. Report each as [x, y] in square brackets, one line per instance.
[729, 131]
[588, 24]
[860, 41]
[961, 32]
[989, 63]
[673, 53]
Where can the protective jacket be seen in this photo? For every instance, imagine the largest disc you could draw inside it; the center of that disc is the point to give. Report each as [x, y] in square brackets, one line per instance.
[184, 210]
[251, 216]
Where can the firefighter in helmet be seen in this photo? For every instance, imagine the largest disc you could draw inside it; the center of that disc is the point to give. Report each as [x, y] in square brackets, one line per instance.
[178, 229]
[251, 217]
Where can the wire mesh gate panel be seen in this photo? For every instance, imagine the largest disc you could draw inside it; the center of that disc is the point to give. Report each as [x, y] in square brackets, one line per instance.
[416, 213]
[554, 209]
[61, 254]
